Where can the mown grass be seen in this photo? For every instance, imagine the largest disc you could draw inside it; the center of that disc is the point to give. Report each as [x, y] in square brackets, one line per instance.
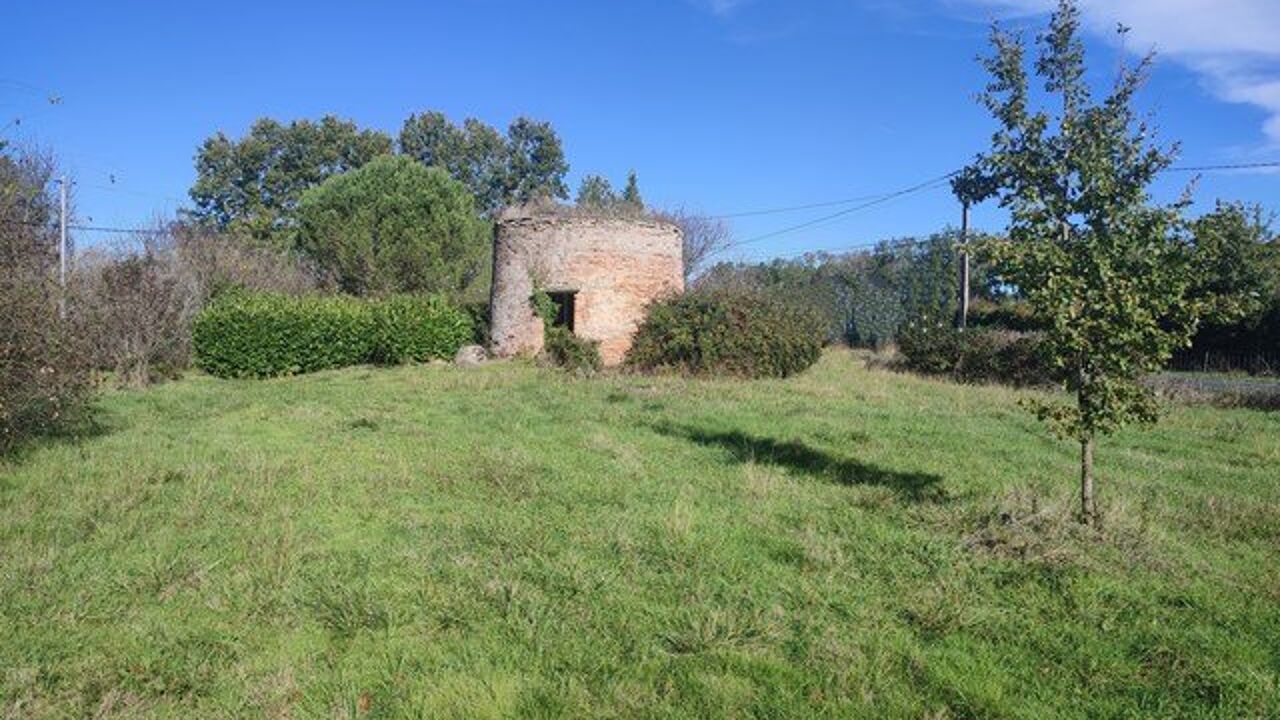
[508, 541]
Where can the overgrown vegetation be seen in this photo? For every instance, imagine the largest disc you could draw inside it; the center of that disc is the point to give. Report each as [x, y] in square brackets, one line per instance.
[864, 298]
[135, 304]
[843, 543]
[266, 335]
[726, 332]
[560, 346]
[45, 363]
[976, 355]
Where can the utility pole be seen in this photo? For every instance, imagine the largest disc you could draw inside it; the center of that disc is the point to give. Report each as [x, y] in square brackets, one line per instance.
[62, 246]
[962, 317]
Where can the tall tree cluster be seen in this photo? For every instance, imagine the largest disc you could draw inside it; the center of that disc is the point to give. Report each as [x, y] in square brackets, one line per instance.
[251, 186]
[287, 186]
[596, 193]
[525, 165]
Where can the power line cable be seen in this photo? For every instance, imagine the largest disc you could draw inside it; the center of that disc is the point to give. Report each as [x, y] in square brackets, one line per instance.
[927, 185]
[881, 199]
[95, 228]
[793, 208]
[860, 198]
[1236, 166]
[871, 201]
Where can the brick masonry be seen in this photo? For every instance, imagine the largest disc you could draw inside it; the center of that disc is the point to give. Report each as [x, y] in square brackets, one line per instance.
[617, 266]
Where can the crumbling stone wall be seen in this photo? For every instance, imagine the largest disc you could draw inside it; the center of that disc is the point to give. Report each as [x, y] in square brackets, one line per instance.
[616, 266]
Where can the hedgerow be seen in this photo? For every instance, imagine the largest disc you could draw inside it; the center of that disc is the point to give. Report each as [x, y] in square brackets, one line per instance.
[266, 335]
[976, 355]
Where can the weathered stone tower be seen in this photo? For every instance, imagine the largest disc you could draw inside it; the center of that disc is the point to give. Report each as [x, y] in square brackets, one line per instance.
[602, 271]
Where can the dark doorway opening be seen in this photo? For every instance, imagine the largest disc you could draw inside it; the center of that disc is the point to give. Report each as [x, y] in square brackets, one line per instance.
[564, 300]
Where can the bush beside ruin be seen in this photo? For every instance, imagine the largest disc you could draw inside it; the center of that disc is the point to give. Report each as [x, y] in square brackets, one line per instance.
[727, 332]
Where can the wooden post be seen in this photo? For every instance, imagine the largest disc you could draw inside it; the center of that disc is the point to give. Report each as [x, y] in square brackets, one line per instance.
[962, 316]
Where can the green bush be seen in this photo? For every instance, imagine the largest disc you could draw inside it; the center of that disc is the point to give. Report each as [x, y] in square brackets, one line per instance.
[571, 352]
[265, 335]
[1004, 315]
[727, 332]
[559, 345]
[976, 355]
[418, 328]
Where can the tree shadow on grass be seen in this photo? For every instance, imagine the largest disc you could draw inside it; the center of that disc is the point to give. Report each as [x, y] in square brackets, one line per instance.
[92, 423]
[914, 486]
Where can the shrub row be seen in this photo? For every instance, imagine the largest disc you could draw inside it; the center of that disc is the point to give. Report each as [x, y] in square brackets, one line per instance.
[727, 332]
[265, 335]
[976, 355]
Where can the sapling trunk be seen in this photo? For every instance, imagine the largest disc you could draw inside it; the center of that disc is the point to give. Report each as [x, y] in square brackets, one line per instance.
[1088, 509]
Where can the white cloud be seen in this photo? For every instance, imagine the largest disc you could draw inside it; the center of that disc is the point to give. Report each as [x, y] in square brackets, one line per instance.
[1233, 45]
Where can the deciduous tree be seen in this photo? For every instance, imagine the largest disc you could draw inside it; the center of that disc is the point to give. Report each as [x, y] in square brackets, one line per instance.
[537, 166]
[474, 154]
[251, 186]
[1105, 268]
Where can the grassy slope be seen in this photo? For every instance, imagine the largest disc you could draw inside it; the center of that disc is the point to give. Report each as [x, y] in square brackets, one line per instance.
[508, 541]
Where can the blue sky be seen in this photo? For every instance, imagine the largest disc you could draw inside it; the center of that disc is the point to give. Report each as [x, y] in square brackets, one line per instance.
[720, 105]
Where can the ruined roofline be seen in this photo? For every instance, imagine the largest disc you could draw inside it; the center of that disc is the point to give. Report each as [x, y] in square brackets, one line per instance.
[557, 213]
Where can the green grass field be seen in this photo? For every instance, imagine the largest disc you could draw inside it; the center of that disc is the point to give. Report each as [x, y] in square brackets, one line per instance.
[509, 541]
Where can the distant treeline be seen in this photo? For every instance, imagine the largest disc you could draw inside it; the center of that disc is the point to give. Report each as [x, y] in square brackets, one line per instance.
[867, 297]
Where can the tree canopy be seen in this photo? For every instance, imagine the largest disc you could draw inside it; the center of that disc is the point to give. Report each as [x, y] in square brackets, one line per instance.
[1237, 262]
[394, 225]
[251, 186]
[631, 193]
[596, 193]
[536, 162]
[527, 164]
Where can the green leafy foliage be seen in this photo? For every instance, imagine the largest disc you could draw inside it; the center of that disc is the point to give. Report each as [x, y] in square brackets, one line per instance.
[864, 298]
[474, 154]
[566, 350]
[536, 166]
[976, 355]
[394, 226]
[595, 193]
[1006, 314]
[526, 165]
[1105, 269]
[267, 335]
[559, 345]
[1237, 277]
[727, 332]
[251, 186]
[413, 328]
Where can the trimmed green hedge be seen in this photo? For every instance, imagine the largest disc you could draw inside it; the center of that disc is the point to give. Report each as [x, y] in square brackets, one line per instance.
[266, 335]
[727, 332]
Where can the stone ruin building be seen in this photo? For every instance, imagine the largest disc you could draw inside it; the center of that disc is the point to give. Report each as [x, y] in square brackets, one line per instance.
[602, 271]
